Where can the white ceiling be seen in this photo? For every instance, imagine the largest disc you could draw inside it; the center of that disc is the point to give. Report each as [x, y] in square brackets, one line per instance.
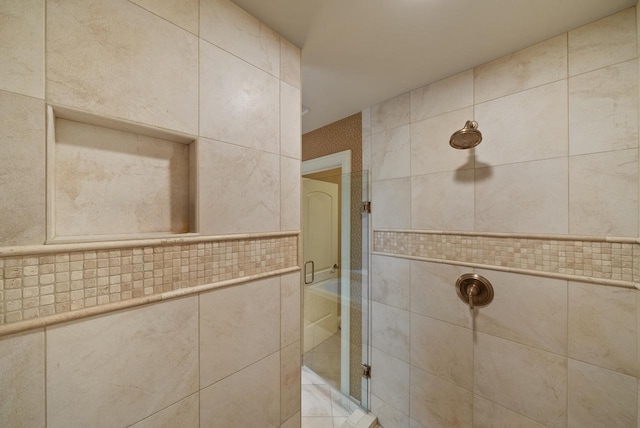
[356, 53]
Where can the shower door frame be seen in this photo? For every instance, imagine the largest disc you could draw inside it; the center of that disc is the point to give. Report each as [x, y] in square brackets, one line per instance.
[340, 160]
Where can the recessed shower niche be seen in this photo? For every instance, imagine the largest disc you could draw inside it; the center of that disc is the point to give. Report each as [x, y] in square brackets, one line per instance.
[109, 179]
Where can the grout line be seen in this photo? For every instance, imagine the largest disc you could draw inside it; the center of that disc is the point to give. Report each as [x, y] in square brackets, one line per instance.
[167, 20]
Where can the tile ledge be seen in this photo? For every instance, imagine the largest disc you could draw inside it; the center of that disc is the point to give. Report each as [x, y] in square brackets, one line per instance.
[577, 278]
[47, 321]
[108, 245]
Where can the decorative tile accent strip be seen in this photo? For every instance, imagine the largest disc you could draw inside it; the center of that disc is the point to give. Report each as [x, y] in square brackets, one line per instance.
[602, 258]
[39, 285]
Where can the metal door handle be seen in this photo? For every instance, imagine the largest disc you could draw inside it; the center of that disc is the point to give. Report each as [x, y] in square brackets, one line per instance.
[335, 267]
[313, 272]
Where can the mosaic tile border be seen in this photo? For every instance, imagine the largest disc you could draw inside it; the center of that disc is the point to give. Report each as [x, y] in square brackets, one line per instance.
[607, 261]
[51, 283]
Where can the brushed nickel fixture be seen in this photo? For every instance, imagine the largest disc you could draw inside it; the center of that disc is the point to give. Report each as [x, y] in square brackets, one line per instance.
[467, 137]
[474, 290]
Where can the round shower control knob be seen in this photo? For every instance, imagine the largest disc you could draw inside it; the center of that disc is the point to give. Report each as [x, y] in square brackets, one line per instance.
[474, 290]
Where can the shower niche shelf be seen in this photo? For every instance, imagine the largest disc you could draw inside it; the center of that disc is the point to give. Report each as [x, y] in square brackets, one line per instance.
[110, 179]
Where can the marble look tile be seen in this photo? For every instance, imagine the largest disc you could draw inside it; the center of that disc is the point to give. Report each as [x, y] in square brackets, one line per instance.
[391, 113]
[310, 378]
[436, 403]
[433, 292]
[390, 330]
[22, 143]
[442, 349]
[290, 122]
[184, 413]
[523, 379]
[601, 398]
[604, 42]
[225, 403]
[387, 415]
[366, 153]
[393, 202]
[290, 381]
[22, 379]
[603, 194]
[542, 109]
[536, 65]
[390, 154]
[290, 63]
[527, 309]
[390, 380]
[100, 57]
[289, 193]
[239, 325]
[293, 422]
[442, 201]
[183, 13]
[366, 122]
[317, 422]
[316, 400]
[430, 149]
[231, 28]
[246, 197]
[22, 47]
[290, 308]
[602, 326]
[390, 281]
[529, 197]
[487, 414]
[443, 96]
[414, 424]
[146, 357]
[238, 102]
[603, 109]
[340, 404]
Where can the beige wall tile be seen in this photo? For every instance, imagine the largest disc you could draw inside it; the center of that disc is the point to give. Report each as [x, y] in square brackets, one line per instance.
[290, 63]
[529, 197]
[292, 422]
[391, 113]
[442, 349]
[438, 403]
[527, 309]
[602, 326]
[601, 398]
[393, 203]
[22, 143]
[433, 292]
[390, 154]
[183, 13]
[442, 201]
[116, 59]
[390, 330]
[239, 103]
[487, 414]
[414, 424]
[290, 121]
[290, 381]
[290, 308]
[390, 380]
[603, 109]
[246, 194]
[604, 42]
[430, 149]
[366, 154]
[22, 47]
[366, 122]
[527, 68]
[248, 398]
[289, 194]
[452, 93]
[390, 281]
[22, 380]
[603, 194]
[239, 325]
[526, 126]
[523, 379]
[138, 361]
[184, 413]
[387, 415]
[229, 27]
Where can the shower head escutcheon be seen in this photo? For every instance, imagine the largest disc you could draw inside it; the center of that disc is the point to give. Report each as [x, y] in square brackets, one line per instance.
[467, 137]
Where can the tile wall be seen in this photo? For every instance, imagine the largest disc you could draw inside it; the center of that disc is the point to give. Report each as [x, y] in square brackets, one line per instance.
[204, 68]
[559, 157]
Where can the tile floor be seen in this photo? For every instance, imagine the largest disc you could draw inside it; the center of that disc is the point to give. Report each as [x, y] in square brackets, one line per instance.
[321, 404]
[324, 360]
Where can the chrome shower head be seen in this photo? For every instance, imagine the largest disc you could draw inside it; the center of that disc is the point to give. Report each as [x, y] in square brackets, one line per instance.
[467, 137]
